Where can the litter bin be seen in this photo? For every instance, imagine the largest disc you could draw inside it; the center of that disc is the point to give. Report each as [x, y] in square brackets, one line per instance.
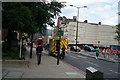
[93, 74]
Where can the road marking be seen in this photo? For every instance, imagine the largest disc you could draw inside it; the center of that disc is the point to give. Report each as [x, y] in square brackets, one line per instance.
[72, 73]
[114, 72]
[111, 58]
[74, 57]
[82, 56]
[92, 63]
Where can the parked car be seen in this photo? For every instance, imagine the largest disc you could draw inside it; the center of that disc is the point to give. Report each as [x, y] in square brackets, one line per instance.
[88, 48]
[73, 48]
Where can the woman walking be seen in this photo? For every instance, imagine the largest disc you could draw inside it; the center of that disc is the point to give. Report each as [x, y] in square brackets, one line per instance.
[104, 52]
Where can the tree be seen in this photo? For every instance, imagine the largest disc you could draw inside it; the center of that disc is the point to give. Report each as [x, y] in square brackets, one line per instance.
[29, 17]
[43, 14]
[15, 17]
[118, 33]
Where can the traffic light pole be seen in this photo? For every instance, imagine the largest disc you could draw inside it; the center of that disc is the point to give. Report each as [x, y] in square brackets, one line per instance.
[60, 33]
[76, 36]
[58, 57]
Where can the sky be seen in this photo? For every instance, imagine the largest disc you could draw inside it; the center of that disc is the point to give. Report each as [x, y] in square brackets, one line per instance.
[104, 11]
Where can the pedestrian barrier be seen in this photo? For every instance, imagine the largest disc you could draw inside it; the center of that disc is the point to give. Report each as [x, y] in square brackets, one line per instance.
[93, 74]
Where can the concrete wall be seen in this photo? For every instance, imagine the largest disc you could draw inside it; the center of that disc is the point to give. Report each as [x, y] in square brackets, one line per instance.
[90, 33]
[70, 32]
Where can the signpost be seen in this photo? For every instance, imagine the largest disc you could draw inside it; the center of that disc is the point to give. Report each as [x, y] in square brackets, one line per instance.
[60, 33]
[60, 24]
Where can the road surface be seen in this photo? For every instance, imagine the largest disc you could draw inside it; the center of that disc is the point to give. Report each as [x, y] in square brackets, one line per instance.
[109, 69]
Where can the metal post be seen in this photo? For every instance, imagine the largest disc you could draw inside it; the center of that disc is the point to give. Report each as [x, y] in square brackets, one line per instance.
[77, 28]
[58, 57]
[20, 49]
[77, 22]
[31, 45]
[76, 35]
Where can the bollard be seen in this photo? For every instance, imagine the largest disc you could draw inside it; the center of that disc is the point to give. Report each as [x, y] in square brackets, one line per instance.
[93, 74]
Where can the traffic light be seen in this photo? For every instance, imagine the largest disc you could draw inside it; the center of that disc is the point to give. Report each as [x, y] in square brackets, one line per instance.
[64, 20]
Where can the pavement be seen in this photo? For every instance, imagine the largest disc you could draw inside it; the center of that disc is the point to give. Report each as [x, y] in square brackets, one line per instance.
[47, 69]
[111, 58]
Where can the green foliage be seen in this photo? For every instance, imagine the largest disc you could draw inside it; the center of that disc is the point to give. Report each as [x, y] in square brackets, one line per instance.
[29, 17]
[55, 8]
[118, 33]
[16, 16]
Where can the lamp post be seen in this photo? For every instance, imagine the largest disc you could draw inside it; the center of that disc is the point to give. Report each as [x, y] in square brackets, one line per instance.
[77, 21]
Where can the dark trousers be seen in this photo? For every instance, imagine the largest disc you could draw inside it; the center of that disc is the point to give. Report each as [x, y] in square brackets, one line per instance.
[39, 58]
[97, 54]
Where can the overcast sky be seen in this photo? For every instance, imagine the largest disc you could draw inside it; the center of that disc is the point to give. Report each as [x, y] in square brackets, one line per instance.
[104, 11]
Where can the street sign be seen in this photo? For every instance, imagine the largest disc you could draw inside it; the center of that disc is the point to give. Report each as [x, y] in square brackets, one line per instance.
[60, 33]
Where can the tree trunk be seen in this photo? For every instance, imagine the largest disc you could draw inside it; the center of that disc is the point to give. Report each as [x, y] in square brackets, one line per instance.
[9, 39]
[31, 46]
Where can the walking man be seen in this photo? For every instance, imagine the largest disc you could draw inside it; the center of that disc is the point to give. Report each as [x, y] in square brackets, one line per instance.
[97, 52]
[39, 50]
[119, 53]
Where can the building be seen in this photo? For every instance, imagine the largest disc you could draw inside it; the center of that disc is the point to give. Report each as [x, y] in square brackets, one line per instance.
[90, 33]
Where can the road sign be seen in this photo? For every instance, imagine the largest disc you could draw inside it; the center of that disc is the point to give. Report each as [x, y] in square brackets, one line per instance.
[60, 33]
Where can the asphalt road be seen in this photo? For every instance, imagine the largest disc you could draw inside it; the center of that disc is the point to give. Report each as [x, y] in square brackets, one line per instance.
[109, 69]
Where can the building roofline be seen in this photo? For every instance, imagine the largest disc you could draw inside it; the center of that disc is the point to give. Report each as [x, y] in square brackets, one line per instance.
[96, 24]
[71, 20]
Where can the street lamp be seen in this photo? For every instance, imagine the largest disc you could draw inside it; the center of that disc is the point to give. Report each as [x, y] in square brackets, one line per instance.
[77, 21]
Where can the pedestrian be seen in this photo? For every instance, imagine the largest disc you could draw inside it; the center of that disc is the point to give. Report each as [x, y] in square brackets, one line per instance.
[119, 53]
[104, 52]
[39, 50]
[107, 52]
[97, 52]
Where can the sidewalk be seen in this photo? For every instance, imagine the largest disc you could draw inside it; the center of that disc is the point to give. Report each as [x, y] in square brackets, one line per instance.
[47, 69]
[111, 58]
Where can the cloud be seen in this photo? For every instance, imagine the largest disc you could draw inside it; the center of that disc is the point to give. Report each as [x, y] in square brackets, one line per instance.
[87, 2]
[112, 21]
[104, 11]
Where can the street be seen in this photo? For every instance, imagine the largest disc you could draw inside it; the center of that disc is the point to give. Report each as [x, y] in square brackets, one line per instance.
[81, 62]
